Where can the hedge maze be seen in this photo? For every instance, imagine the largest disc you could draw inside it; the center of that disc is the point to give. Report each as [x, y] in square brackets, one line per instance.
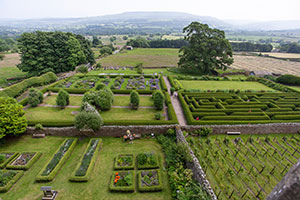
[241, 108]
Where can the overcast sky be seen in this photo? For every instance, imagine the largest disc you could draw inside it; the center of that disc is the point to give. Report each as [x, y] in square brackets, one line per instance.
[223, 9]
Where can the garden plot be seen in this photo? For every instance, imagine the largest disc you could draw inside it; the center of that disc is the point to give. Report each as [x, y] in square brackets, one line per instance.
[8, 178]
[241, 108]
[24, 161]
[245, 167]
[6, 157]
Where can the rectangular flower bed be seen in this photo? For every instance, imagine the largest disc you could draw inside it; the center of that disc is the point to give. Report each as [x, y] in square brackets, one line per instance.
[24, 160]
[149, 181]
[147, 161]
[122, 181]
[87, 162]
[8, 178]
[50, 170]
[8, 156]
[124, 161]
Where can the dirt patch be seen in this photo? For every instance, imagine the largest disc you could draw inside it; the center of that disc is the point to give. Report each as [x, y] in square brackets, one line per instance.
[10, 60]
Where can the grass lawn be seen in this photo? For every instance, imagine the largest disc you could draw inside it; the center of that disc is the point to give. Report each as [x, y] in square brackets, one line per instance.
[124, 101]
[223, 85]
[128, 114]
[8, 68]
[149, 57]
[74, 100]
[48, 114]
[97, 187]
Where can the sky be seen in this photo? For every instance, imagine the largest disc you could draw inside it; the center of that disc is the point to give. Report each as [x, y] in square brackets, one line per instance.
[256, 10]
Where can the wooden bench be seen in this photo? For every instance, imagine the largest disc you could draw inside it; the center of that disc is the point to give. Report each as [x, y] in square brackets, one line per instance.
[233, 133]
[38, 135]
[48, 193]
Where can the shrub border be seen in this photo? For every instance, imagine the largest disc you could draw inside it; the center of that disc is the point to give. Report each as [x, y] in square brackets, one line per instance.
[156, 188]
[86, 177]
[131, 167]
[7, 187]
[123, 188]
[36, 156]
[50, 177]
[3, 165]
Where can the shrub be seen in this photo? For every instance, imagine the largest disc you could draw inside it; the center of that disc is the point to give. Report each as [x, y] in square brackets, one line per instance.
[100, 86]
[134, 99]
[39, 127]
[88, 120]
[157, 116]
[172, 89]
[62, 98]
[139, 68]
[288, 79]
[203, 131]
[159, 99]
[2, 158]
[104, 100]
[35, 97]
[98, 66]
[82, 69]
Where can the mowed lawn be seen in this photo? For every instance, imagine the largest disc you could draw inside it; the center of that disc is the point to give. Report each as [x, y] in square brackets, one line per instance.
[74, 100]
[150, 57]
[224, 85]
[8, 68]
[97, 187]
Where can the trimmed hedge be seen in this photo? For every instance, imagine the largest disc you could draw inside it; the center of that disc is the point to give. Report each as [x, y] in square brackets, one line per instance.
[286, 117]
[3, 165]
[117, 167]
[163, 84]
[240, 118]
[172, 82]
[87, 175]
[17, 89]
[7, 187]
[52, 174]
[155, 188]
[36, 156]
[131, 188]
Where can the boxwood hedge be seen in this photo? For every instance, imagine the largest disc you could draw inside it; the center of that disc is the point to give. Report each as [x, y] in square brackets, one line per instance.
[36, 156]
[18, 175]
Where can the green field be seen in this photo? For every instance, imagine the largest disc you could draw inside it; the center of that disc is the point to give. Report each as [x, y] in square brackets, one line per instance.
[97, 187]
[223, 85]
[248, 169]
[149, 57]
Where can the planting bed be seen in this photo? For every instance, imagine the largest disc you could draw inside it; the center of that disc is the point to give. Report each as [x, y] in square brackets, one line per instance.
[122, 181]
[8, 178]
[241, 108]
[147, 161]
[124, 161]
[8, 157]
[149, 181]
[245, 167]
[24, 161]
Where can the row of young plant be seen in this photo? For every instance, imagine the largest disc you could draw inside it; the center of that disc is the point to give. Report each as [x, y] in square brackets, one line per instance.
[181, 180]
[61, 155]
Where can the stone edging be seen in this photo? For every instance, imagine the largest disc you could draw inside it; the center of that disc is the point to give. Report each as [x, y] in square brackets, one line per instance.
[198, 172]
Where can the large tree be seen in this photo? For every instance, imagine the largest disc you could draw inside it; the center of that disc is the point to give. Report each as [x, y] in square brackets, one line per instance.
[208, 49]
[53, 51]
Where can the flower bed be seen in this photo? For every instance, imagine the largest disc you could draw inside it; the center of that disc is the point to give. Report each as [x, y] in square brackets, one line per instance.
[8, 179]
[83, 170]
[124, 161]
[147, 161]
[50, 170]
[8, 157]
[149, 181]
[122, 181]
[24, 161]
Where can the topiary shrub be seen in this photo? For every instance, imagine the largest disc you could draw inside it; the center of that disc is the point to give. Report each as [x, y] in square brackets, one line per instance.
[134, 100]
[35, 97]
[159, 99]
[62, 98]
[104, 100]
[39, 127]
[157, 116]
[88, 120]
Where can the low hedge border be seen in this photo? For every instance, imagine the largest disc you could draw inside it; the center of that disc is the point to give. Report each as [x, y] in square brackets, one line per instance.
[52, 174]
[155, 188]
[36, 156]
[87, 175]
[172, 82]
[3, 165]
[123, 188]
[131, 167]
[7, 187]
[149, 166]
[163, 84]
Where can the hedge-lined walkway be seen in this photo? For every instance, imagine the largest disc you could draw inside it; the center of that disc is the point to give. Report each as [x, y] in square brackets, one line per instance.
[176, 104]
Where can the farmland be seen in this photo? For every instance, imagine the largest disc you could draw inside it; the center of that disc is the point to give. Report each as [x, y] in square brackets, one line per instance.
[149, 57]
[283, 55]
[248, 166]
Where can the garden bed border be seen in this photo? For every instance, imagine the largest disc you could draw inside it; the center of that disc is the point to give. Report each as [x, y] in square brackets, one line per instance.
[155, 188]
[122, 188]
[7, 187]
[36, 156]
[3, 165]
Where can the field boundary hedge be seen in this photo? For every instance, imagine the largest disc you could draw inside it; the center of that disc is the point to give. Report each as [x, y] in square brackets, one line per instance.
[53, 173]
[28, 165]
[87, 175]
[7, 187]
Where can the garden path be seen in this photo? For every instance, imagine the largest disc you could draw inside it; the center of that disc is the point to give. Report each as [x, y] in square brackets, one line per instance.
[176, 104]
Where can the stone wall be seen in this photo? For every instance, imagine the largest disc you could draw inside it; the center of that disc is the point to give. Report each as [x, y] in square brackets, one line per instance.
[250, 129]
[112, 131]
[195, 166]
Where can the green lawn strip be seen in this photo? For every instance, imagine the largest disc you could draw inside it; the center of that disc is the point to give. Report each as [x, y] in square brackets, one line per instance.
[125, 101]
[12, 181]
[3, 165]
[51, 169]
[153, 188]
[224, 85]
[74, 100]
[87, 161]
[97, 187]
[29, 163]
